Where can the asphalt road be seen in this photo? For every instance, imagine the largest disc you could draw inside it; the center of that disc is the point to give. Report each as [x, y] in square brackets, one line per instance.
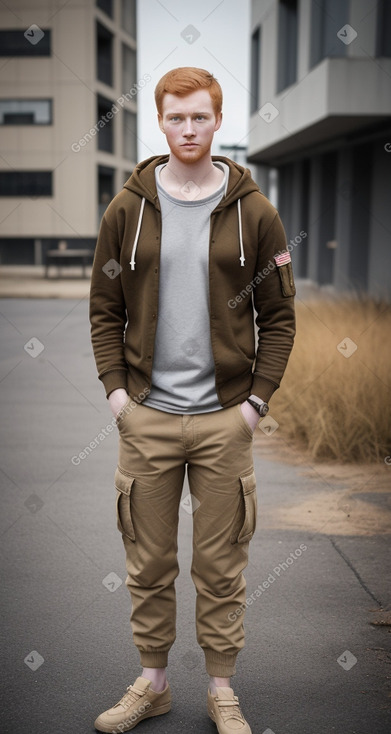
[313, 664]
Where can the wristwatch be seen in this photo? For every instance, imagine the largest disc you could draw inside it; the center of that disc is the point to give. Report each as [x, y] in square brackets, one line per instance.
[260, 406]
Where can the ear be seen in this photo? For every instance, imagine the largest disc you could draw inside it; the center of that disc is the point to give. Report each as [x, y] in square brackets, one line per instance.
[160, 121]
[219, 120]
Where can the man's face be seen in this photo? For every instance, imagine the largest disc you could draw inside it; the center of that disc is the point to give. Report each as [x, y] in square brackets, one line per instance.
[189, 124]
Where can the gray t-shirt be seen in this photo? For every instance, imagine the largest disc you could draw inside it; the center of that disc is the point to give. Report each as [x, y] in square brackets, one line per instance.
[183, 372]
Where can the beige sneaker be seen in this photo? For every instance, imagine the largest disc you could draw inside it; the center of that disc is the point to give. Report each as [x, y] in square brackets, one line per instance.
[138, 703]
[224, 710]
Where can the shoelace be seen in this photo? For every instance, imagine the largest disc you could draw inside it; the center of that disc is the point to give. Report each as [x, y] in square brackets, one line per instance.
[229, 709]
[131, 696]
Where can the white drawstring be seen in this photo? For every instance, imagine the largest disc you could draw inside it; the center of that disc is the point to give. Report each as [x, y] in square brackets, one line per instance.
[242, 258]
[133, 259]
[140, 217]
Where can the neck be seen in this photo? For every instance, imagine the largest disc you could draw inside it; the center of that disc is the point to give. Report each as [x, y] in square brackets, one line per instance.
[183, 172]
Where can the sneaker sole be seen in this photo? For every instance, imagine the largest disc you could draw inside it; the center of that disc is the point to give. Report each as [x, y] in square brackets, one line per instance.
[109, 728]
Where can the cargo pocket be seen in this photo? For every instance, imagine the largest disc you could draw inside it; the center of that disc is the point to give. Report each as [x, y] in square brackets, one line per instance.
[246, 516]
[286, 278]
[123, 484]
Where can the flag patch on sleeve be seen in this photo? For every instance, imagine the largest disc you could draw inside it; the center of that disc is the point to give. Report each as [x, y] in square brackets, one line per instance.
[282, 259]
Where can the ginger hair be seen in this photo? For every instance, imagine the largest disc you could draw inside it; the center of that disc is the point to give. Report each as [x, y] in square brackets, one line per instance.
[185, 80]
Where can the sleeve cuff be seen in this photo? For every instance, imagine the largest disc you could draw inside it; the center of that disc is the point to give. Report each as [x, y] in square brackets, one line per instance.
[263, 388]
[113, 380]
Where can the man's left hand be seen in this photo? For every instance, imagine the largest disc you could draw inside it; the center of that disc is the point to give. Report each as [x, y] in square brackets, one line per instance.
[250, 414]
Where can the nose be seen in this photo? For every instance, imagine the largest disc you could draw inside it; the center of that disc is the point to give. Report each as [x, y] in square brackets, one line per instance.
[188, 130]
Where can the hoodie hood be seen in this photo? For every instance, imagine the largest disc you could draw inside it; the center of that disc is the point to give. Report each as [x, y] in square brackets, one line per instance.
[142, 182]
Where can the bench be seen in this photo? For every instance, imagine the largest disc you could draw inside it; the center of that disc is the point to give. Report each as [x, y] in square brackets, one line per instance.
[61, 257]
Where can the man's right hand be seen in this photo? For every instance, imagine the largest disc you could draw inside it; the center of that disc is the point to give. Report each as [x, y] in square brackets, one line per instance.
[117, 400]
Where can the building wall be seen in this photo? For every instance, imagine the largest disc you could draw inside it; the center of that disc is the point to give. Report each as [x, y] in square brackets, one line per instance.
[69, 78]
[329, 142]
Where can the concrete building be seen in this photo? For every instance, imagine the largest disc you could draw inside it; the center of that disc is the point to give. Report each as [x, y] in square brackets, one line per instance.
[68, 91]
[321, 118]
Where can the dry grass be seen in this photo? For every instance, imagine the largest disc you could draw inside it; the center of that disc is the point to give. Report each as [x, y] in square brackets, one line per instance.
[339, 408]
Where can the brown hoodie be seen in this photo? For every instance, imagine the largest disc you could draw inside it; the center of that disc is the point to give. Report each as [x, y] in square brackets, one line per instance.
[245, 235]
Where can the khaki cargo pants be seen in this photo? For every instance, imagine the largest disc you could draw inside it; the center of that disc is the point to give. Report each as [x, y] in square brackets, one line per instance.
[154, 449]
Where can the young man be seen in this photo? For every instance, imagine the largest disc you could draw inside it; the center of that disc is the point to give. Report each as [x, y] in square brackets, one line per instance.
[185, 253]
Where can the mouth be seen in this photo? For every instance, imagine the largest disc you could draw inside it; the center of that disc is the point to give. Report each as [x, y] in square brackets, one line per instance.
[188, 145]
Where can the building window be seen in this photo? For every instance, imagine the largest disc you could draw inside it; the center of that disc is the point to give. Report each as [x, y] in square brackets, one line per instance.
[15, 43]
[106, 116]
[26, 183]
[130, 136]
[327, 17]
[105, 189]
[384, 29]
[106, 6]
[287, 43]
[128, 17]
[25, 112]
[129, 68]
[255, 70]
[104, 49]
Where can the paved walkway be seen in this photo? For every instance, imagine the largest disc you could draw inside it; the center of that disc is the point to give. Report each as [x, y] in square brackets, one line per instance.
[29, 281]
[314, 662]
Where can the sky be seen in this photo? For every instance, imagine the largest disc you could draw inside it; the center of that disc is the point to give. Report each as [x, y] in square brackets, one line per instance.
[217, 41]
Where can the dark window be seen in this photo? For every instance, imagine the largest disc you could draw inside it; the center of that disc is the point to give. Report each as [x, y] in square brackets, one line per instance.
[25, 112]
[25, 43]
[104, 49]
[327, 219]
[26, 183]
[360, 237]
[255, 70]
[327, 18]
[384, 29]
[105, 134]
[129, 68]
[287, 43]
[106, 6]
[17, 251]
[129, 17]
[105, 189]
[302, 249]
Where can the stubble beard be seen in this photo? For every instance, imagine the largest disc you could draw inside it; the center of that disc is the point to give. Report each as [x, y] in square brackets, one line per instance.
[193, 155]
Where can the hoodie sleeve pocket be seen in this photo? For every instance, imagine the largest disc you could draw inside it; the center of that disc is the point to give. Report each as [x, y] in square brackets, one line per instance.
[123, 485]
[246, 516]
[286, 279]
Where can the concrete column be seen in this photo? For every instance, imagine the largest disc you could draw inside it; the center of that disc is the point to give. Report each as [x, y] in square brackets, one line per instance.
[304, 40]
[37, 252]
[285, 188]
[262, 178]
[364, 21]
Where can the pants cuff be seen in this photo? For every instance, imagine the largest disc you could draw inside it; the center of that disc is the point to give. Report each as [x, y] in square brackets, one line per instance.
[219, 663]
[154, 659]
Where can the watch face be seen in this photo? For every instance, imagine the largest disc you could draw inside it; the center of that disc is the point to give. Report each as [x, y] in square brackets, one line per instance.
[263, 409]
